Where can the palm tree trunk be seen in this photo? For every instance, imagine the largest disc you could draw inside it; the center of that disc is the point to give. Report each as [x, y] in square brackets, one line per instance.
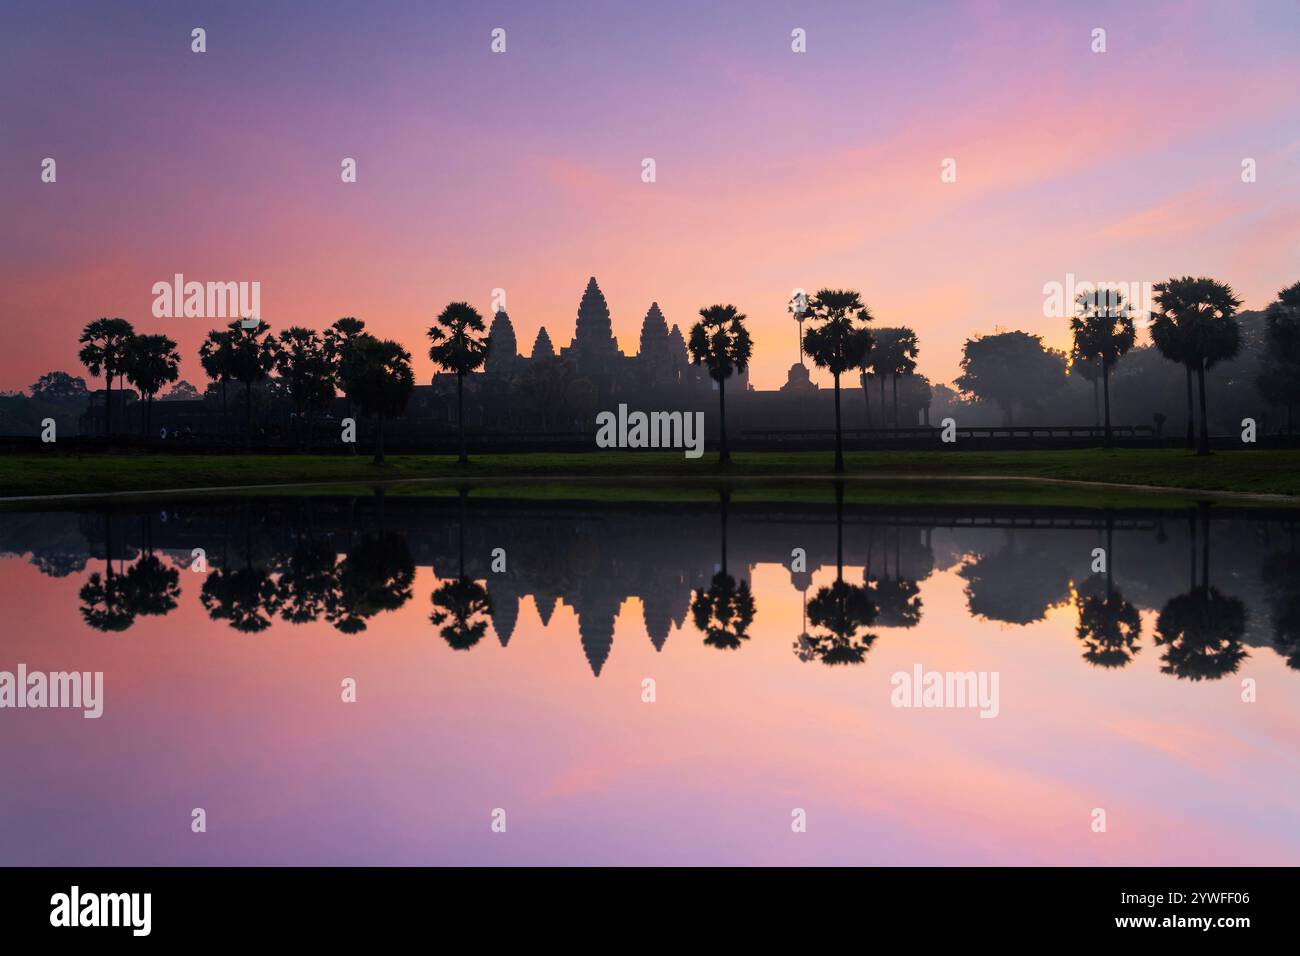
[460, 416]
[148, 415]
[839, 442]
[724, 498]
[1105, 377]
[379, 439]
[866, 393]
[1204, 447]
[839, 531]
[225, 419]
[248, 416]
[108, 402]
[724, 457]
[1096, 402]
[1191, 421]
[882, 398]
[894, 386]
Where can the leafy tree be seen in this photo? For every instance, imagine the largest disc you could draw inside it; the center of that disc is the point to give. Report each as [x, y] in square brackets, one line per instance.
[307, 373]
[1103, 331]
[376, 576]
[1279, 376]
[103, 348]
[151, 362]
[459, 346]
[1010, 369]
[182, 391]
[838, 343]
[1194, 324]
[217, 356]
[379, 381]
[59, 387]
[720, 342]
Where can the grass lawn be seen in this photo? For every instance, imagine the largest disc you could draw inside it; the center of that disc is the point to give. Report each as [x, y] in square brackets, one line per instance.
[1275, 472]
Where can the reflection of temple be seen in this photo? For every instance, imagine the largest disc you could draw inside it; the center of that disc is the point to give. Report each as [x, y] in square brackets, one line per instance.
[326, 558]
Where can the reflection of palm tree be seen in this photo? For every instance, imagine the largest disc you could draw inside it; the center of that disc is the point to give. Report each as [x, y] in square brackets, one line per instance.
[376, 576]
[725, 611]
[307, 581]
[839, 609]
[897, 599]
[106, 601]
[152, 587]
[244, 597]
[461, 605]
[1202, 629]
[1109, 626]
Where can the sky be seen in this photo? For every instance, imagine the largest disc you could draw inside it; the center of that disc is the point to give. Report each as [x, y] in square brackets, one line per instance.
[522, 170]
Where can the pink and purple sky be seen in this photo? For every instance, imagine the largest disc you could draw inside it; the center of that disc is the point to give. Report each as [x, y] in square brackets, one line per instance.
[522, 170]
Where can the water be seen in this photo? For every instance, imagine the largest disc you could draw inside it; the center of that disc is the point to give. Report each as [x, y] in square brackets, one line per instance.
[223, 687]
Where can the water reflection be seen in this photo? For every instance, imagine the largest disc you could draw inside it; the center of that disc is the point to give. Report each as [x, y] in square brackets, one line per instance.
[348, 560]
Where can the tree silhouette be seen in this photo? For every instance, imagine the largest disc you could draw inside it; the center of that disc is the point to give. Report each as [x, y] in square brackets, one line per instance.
[838, 343]
[380, 381]
[840, 610]
[338, 341]
[151, 587]
[1193, 324]
[217, 356]
[253, 354]
[725, 610]
[307, 585]
[151, 362]
[1279, 376]
[459, 346]
[307, 373]
[1010, 369]
[103, 348]
[720, 342]
[1103, 331]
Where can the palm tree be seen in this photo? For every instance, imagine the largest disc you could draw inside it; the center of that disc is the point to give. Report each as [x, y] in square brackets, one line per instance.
[307, 373]
[724, 611]
[1103, 330]
[339, 339]
[838, 343]
[103, 347]
[217, 356]
[151, 362]
[380, 382]
[253, 354]
[1193, 324]
[721, 343]
[459, 346]
[893, 353]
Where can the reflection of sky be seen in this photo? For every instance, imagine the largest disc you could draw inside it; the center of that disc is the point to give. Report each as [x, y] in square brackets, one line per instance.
[251, 728]
[522, 171]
